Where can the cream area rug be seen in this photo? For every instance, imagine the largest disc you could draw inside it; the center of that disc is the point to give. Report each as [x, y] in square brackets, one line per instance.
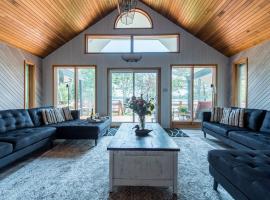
[77, 170]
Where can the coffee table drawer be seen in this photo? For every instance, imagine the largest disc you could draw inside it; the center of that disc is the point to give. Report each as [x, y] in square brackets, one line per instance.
[142, 165]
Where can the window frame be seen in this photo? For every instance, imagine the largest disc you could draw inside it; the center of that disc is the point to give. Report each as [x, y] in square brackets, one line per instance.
[132, 43]
[235, 82]
[192, 123]
[136, 10]
[32, 90]
[75, 67]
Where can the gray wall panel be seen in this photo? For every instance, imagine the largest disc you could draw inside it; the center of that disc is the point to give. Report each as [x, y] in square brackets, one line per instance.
[258, 75]
[192, 51]
[12, 77]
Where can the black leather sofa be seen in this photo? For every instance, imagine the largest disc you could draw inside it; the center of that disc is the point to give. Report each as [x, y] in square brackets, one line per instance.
[245, 172]
[23, 131]
[255, 134]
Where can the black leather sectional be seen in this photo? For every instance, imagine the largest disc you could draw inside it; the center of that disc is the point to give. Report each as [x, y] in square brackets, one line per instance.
[23, 131]
[245, 171]
[255, 134]
[245, 174]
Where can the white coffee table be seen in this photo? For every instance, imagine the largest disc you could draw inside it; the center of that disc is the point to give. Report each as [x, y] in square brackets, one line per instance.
[143, 161]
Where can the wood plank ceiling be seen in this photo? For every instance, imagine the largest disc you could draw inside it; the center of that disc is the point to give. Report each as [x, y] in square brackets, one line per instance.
[230, 26]
[41, 26]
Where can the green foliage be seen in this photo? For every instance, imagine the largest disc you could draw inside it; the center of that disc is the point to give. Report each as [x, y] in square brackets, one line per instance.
[140, 106]
[183, 110]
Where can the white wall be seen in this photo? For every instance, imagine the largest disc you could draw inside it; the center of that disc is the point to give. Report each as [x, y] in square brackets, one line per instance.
[192, 51]
[12, 77]
[258, 75]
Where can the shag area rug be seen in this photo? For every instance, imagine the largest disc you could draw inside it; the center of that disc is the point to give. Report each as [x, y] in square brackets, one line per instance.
[76, 170]
[173, 132]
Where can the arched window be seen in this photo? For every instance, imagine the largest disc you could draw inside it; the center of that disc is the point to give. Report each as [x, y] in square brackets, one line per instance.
[141, 20]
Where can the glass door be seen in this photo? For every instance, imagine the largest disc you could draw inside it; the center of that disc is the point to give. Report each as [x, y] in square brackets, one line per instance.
[127, 83]
[65, 87]
[121, 91]
[86, 85]
[181, 104]
[203, 94]
[193, 92]
[146, 85]
[75, 87]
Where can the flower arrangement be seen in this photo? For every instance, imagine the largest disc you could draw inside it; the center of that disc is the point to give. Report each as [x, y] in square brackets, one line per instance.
[141, 107]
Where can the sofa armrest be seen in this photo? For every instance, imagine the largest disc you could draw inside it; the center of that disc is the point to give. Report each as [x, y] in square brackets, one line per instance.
[206, 116]
[75, 114]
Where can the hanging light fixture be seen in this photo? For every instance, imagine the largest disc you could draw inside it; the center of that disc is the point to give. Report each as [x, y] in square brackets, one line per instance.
[126, 10]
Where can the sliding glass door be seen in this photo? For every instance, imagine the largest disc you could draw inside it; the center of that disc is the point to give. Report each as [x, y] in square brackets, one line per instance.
[127, 83]
[74, 87]
[86, 88]
[65, 87]
[121, 91]
[193, 91]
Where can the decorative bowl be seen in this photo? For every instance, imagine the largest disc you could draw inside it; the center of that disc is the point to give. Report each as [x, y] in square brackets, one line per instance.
[142, 132]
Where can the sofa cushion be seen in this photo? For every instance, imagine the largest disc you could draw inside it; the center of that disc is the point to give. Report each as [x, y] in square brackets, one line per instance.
[222, 129]
[14, 119]
[253, 119]
[25, 137]
[79, 123]
[254, 140]
[36, 115]
[5, 149]
[266, 123]
[249, 171]
[80, 129]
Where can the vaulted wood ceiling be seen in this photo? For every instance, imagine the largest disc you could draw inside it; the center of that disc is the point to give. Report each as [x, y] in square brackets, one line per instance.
[41, 26]
[229, 26]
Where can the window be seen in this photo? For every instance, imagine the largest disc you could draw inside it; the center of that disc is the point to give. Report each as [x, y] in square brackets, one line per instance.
[125, 83]
[193, 91]
[240, 85]
[156, 43]
[29, 85]
[108, 44]
[141, 20]
[132, 43]
[75, 87]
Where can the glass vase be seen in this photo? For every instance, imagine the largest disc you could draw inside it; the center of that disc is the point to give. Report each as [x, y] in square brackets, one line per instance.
[142, 121]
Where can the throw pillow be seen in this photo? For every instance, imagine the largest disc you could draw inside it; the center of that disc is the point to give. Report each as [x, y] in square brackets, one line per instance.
[254, 118]
[44, 117]
[48, 116]
[225, 115]
[241, 118]
[236, 117]
[58, 114]
[67, 113]
[216, 114]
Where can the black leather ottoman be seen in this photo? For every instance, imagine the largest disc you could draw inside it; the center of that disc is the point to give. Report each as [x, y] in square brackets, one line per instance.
[82, 129]
[244, 174]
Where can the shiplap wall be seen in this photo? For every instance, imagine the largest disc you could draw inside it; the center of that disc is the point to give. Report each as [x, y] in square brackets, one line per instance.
[192, 51]
[12, 77]
[258, 75]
